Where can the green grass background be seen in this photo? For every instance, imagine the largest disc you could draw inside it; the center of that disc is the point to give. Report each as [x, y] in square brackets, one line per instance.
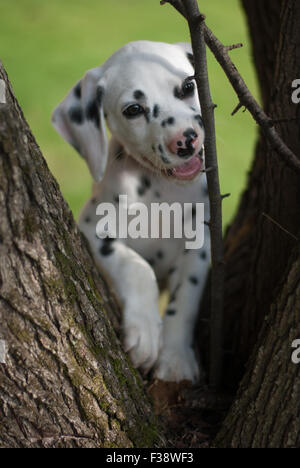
[47, 45]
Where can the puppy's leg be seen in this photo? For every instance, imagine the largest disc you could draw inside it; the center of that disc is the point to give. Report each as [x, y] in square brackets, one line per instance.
[187, 279]
[136, 287]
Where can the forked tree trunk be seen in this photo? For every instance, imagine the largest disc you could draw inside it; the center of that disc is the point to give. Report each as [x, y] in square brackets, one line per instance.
[65, 381]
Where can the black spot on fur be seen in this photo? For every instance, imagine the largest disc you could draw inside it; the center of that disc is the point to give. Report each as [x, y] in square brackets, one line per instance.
[107, 249]
[76, 115]
[165, 160]
[172, 297]
[168, 121]
[92, 113]
[157, 194]
[77, 90]
[138, 94]
[156, 111]
[162, 155]
[174, 294]
[147, 115]
[87, 219]
[191, 59]
[177, 92]
[199, 120]
[141, 190]
[144, 186]
[171, 312]
[146, 181]
[172, 270]
[108, 239]
[203, 255]
[193, 280]
[99, 95]
[119, 153]
[160, 255]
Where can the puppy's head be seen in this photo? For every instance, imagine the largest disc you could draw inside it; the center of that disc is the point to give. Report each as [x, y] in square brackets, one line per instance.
[150, 104]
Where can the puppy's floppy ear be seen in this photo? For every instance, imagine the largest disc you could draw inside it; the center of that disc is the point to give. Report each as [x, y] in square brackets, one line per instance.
[79, 118]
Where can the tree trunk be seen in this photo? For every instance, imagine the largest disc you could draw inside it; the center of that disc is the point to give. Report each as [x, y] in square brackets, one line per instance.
[257, 248]
[266, 413]
[64, 381]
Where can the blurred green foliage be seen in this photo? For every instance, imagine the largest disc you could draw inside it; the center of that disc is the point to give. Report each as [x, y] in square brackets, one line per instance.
[47, 45]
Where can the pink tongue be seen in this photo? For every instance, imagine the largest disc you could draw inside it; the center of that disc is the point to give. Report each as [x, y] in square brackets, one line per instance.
[189, 168]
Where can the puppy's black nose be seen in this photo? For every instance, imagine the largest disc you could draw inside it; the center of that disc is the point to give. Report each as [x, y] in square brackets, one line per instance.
[190, 133]
[184, 144]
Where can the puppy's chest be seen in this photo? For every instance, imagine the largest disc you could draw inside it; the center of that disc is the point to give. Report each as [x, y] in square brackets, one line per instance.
[148, 193]
[130, 179]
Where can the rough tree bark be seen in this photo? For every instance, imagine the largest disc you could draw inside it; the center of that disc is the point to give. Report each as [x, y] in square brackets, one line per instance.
[266, 413]
[257, 250]
[66, 381]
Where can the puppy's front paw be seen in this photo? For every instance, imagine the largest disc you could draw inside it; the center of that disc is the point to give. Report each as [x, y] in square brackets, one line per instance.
[142, 336]
[176, 365]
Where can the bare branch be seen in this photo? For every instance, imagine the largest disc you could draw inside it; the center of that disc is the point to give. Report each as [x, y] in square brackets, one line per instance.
[196, 26]
[245, 97]
[177, 4]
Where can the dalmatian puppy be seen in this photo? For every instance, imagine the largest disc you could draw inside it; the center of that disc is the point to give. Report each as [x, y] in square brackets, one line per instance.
[146, 95]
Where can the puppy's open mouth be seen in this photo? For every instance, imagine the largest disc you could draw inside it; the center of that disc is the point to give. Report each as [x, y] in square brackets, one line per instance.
[189, 169]
[186, 171]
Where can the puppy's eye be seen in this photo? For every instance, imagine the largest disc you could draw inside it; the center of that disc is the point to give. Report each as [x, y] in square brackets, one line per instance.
[188, 89]
[133, 111]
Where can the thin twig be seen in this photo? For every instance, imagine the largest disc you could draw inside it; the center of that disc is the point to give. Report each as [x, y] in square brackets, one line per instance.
[234, 46]
[196, 26]
[245, 97]
[237, 108]
[280, 227]
[226, 195]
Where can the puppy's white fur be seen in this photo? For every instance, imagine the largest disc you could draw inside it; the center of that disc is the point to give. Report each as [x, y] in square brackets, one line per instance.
[138, 163]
